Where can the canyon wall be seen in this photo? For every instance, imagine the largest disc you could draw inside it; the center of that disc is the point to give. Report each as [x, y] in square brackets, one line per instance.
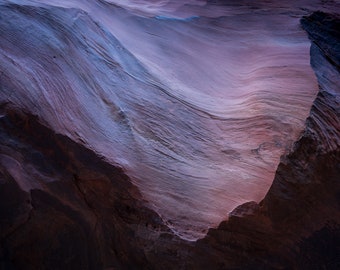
[195, 101]
[64, 205]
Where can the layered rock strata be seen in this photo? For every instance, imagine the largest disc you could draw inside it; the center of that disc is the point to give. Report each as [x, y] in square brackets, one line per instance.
[196, 102]
[297, 224]
[64, 207]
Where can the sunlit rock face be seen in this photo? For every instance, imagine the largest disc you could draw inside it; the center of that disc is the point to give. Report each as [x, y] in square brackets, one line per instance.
[195, 100]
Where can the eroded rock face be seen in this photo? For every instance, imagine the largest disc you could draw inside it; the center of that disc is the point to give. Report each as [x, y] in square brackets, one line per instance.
[64, 206]
[196, 101]
[297, 225]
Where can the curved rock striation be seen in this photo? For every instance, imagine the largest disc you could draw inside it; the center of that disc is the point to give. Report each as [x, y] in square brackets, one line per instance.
[63, 205]
[195, 101]
[297, 224]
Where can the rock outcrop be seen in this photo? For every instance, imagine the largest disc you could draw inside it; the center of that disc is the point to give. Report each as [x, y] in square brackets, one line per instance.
[64, 207]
